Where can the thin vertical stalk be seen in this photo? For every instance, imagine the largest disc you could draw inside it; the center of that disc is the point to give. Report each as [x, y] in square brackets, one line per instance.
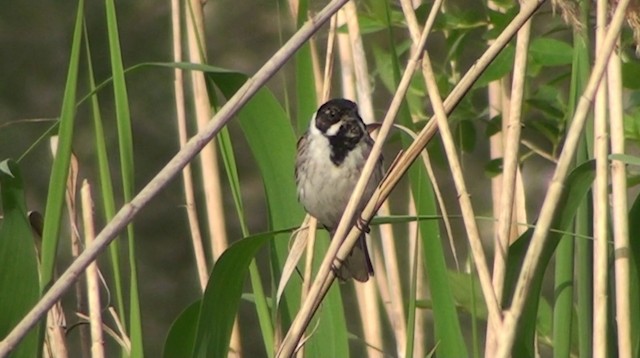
[208, 156]
[363, 86]
[325, 90]
[420, 332]
[510, 161]
[600, 200]
[55, 342]
[127, 169]
[308, 265]
[620, 210]
[499, 105]
[76, 246]
[508, 207]
[414, 255]
[367, 297]
[347, 72]
[187, 177]
[317, 72]
[105, 184]
[93, 280]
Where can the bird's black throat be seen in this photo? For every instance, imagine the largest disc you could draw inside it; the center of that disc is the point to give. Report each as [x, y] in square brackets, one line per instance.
[341, 145]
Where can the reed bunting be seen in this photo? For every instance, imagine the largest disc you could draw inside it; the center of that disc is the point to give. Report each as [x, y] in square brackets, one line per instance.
[329, 161]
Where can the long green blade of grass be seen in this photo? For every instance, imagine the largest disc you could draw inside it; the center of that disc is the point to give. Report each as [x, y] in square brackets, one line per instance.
[449, 339]
[563, 307]
[105, 185]
[125, 143]
[264, 316]
[583, 222]
[566, 253]
[60, 170]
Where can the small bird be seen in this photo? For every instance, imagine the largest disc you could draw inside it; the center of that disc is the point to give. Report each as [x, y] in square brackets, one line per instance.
[329, 161]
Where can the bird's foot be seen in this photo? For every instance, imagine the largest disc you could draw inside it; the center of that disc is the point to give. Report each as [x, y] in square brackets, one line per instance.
[363, 225]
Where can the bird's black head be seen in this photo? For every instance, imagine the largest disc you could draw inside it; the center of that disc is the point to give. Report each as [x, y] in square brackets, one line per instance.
[339, 121]
[339, 118]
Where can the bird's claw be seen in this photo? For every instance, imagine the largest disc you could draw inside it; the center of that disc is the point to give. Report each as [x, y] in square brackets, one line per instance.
[336, 269]
[363, 225]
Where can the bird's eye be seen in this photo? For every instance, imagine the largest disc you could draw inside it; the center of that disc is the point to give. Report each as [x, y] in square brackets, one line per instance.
[331, 113]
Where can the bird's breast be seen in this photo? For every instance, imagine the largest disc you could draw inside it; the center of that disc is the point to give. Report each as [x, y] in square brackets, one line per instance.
[325, 188]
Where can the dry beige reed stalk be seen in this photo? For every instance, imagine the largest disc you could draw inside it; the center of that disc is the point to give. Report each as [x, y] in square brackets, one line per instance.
[208, 157]
[76, 244]
[92, 276]
[363, 85]
[187, 177]
[120, 336]
[619, 209]
[55, 336]
[505, 226]
[600, 200]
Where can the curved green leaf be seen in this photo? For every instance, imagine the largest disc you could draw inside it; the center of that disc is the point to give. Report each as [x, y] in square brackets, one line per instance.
[551, 52]
[19, 281]
[182, 333]
[501, 65]
[222, 296]
[634, 244]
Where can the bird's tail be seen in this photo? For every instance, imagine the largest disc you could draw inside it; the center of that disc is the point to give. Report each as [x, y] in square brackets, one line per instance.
[358, 264]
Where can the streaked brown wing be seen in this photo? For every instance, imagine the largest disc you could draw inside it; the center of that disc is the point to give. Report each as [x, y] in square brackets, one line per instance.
[301, 147]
